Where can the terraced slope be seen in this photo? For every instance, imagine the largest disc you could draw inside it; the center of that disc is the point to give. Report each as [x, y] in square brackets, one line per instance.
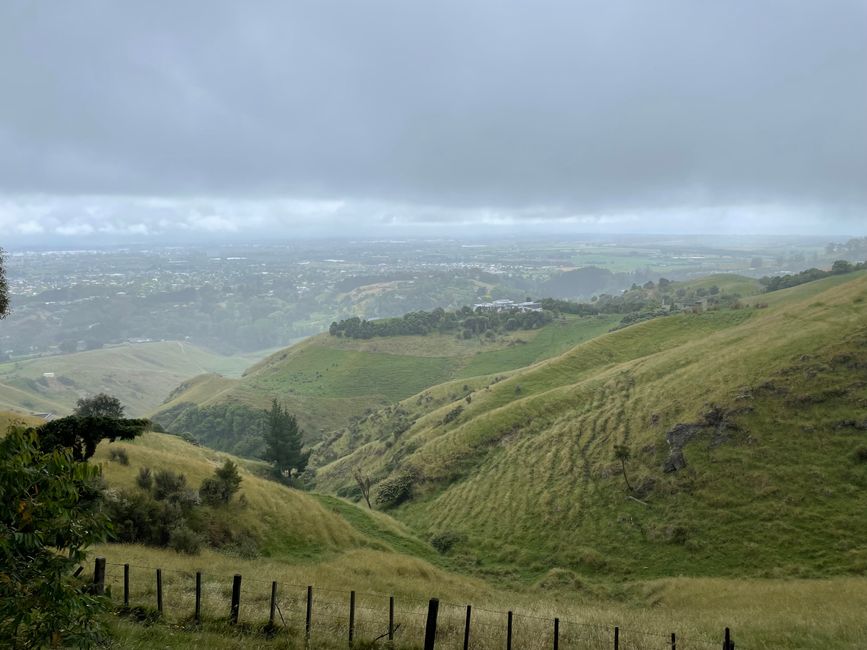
[746, 430]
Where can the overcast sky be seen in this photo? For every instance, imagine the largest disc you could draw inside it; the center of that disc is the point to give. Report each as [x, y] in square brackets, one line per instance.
[149, 119]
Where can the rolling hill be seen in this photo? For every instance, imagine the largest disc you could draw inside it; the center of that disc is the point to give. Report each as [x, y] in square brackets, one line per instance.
[141, 375]
[328, 381]
[746, 433]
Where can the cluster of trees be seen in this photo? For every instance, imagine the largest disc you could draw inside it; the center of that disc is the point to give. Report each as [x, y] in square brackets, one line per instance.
[231, 427]
[271, 434]
[466, 322]
[774, 283]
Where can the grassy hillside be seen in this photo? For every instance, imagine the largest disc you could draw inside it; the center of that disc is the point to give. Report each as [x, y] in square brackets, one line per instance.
[141, 375]
[772, 404]
[337, 546]
[327, 381]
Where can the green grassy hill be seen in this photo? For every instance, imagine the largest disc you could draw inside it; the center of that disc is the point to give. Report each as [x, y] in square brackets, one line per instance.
[141, 375]
[766, 406]
[334, 545]
[327, 381]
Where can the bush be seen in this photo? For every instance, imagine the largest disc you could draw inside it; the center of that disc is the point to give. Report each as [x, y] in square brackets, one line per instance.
[444, 541]
[119, 455]
[168, 485]
[219, 489]
[184, 540]
[860, 455]
[394, 491]
[145, 479]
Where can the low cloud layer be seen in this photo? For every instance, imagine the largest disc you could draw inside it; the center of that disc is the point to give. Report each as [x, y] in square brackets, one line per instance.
[218, 117]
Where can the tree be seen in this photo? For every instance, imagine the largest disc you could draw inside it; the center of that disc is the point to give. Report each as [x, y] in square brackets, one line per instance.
[623, 454]
[4, 288]
[283, 442]
[100, 405]
[81, 434]
[221, 487]
[363, 482]
[50, 512]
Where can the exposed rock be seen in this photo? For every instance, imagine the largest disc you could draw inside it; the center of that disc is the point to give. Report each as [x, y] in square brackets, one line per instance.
[677, 437]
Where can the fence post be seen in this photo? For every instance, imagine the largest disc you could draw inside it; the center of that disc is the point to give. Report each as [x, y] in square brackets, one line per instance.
[467, 628]
[197, 616]
[509, 632]
[273, 604]
[556, 634]
[126, 585]
[391, 618]
[430, 628]
[673, 642]
[99, 576]
[309, 619]
[616, 638]
[160, 591]
[727, 640]
[351, 616]
[236, 599]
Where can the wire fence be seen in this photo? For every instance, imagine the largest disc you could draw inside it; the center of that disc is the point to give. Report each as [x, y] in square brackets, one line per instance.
[327, 618]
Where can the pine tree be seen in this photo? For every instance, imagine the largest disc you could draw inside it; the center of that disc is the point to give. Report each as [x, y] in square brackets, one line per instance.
[283, 442]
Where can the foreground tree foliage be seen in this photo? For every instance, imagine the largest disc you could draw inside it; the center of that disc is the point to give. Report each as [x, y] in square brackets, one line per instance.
[100, 405]
[50, 513]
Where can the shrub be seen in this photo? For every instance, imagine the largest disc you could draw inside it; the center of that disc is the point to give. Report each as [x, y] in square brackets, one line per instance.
[145, 479]
[445, 540]
[184, 540]
[168, 485]
[119, 455]
[860, 455]
[395, 490]
[219, 489]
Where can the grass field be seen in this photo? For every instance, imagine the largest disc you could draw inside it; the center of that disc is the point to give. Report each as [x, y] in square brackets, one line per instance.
[141, 375]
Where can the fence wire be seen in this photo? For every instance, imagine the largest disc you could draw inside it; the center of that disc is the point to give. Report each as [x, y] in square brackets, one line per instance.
[330, 615]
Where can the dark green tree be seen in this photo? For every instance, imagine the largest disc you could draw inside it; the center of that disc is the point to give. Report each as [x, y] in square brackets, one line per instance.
[50, 513]
[81, 435]
[100, 405]
[283, 442]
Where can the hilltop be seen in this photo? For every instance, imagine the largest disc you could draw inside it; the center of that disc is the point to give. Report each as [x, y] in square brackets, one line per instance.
[745, 430]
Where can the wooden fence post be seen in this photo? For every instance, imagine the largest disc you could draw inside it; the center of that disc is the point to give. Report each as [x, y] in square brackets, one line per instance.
[351, 617]
[727, 640]
[309, 620]
[556, 634]
[99, 576]
[273, 611]
[509, 631]
[616, 638]
[391, 618]
[197, 616]
[430, 628]
[236, 599]
[160, 591]
[467, 628]
[673, 642]
[126, 585]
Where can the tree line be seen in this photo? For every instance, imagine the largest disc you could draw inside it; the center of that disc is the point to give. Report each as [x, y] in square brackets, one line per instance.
[840, 267]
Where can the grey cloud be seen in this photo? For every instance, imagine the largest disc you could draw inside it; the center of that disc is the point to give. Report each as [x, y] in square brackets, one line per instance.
[568, 108]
